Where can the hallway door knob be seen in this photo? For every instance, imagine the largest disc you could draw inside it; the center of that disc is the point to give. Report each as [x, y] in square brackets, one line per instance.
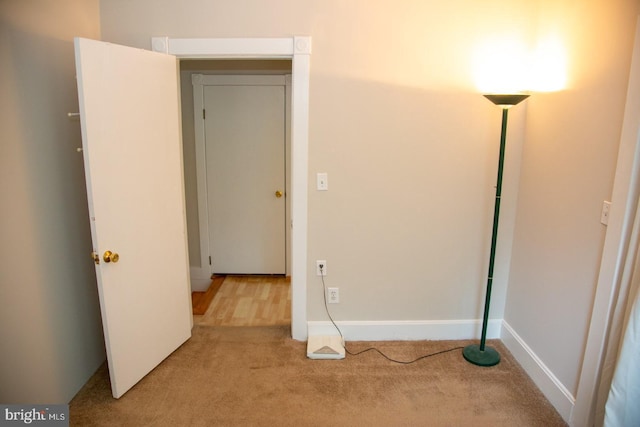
[278, 194]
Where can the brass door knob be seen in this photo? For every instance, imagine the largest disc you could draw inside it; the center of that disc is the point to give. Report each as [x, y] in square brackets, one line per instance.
[278, 194]
[110, 257]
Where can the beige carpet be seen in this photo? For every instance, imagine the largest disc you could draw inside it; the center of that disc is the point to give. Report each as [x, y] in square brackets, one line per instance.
[258, 376]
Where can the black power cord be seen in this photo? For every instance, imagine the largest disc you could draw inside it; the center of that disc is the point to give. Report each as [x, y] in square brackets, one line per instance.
[344, 343]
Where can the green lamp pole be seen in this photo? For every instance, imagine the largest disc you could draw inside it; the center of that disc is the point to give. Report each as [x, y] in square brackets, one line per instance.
[482, 355]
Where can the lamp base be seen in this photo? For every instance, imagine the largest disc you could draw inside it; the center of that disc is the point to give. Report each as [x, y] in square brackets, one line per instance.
[488, 357]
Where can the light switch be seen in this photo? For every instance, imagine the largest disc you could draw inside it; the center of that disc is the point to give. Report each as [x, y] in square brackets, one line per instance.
[604, 215]
[323, 183]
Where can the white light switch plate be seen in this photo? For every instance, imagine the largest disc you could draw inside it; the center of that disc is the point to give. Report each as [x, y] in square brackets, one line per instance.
[322, 181]
[604, 215]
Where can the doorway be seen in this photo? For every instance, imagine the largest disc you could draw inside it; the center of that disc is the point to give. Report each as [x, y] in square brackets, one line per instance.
[298, 50]
[242, 149]
[236, 143]
[147, 126]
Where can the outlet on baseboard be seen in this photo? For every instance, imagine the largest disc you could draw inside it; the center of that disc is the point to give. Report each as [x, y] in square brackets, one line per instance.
[321, 267]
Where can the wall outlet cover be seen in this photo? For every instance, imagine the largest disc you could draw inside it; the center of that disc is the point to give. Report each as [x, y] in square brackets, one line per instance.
[323, 271]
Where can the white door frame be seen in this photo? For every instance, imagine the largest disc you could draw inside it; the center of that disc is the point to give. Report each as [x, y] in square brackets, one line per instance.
[298, 49]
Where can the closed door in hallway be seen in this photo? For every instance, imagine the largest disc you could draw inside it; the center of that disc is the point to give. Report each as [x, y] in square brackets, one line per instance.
[244, 125]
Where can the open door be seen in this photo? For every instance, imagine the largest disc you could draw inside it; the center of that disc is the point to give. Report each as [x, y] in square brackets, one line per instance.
[131, 139]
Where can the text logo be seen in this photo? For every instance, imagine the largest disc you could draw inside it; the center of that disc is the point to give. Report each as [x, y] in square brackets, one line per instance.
[34, 415]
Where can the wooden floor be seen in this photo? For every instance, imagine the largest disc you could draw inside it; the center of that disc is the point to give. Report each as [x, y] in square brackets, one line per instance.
[249, 301]
[200, 301]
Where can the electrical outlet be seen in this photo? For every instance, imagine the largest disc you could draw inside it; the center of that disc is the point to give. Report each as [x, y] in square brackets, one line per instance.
[321, 271]
[333, 295]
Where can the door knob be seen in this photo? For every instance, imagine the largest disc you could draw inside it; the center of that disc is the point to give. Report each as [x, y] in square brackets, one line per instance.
[110, 257]
[278, 194]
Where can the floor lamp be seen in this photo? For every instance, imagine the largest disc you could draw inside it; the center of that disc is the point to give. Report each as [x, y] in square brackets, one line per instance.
[482, 355]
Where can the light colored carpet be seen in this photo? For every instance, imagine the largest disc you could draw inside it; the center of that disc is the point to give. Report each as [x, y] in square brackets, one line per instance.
[259, 376]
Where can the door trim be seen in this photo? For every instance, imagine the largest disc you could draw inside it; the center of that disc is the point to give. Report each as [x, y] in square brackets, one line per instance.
[299, 50]
[199, 81]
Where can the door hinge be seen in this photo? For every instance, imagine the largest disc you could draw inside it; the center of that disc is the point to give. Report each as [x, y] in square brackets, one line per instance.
[209, 259]
[204, 114]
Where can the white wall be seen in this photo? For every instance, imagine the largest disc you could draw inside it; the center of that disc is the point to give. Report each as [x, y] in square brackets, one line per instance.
[409, 145]
[568, 165]
[50, 326]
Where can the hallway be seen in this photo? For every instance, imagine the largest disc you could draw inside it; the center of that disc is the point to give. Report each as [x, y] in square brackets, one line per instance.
[249, 301]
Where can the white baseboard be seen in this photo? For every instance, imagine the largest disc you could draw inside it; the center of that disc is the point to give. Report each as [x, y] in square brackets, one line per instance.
[406, 330]
[541, 375]
[200, 279]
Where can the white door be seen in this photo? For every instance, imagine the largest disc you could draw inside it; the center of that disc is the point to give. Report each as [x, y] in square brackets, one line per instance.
[245, 154]
[133, 166]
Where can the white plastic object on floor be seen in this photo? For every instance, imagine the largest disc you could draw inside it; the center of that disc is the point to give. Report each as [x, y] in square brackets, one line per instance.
[325, 347]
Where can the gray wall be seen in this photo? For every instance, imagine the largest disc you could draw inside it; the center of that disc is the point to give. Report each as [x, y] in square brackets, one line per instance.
[50, 326]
